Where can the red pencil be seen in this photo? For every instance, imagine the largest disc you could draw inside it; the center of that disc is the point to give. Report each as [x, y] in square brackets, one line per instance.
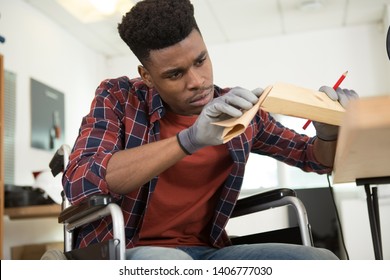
[336, 85]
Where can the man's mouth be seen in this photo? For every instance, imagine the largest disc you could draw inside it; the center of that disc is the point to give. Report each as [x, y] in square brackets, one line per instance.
[203, 98]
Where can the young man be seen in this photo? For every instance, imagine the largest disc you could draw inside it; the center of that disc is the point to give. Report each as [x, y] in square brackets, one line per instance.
[150, 143]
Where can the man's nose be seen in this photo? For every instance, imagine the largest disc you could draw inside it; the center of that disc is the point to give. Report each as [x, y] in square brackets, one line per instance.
[195, 79]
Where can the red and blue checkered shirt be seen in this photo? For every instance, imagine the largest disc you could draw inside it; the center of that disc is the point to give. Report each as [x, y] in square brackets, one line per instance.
[125, 114]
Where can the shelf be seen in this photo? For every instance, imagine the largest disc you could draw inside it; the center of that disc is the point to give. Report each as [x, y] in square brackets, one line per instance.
[35, 211]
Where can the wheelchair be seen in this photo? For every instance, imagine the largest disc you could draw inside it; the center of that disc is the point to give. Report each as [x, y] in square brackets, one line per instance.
[98, 206]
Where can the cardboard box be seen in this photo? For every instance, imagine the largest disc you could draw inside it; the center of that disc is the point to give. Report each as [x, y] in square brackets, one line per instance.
[34, 251]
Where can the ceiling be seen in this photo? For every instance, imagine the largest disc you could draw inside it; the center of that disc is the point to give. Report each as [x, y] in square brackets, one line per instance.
[223, 21]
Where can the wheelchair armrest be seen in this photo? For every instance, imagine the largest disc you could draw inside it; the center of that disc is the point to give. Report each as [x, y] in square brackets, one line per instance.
[276, 198]
[261, 201]
[91, 205]
[95, 207]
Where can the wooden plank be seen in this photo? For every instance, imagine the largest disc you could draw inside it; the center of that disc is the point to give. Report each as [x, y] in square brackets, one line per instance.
[290, 100]
[363, 147]
[295, 101]
[36, 211]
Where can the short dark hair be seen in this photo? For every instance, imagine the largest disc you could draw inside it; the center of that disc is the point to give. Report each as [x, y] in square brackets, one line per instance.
[156, 24]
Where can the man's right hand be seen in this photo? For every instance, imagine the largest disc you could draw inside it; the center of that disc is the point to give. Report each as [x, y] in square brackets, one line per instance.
[203, 133]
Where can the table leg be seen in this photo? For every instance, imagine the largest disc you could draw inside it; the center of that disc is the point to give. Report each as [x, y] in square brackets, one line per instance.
[373, 215]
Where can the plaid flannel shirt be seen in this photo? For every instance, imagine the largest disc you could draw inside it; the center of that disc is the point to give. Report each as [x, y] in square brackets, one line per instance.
[125, 114]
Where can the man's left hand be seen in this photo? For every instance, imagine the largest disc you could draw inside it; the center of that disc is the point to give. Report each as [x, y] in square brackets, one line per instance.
[329, 132]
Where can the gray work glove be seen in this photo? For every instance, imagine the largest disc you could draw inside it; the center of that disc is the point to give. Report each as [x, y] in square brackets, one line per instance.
[330, 132]
[203, 133]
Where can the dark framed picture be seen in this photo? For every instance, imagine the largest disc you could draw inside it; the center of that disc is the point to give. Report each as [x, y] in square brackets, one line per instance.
[47, 116]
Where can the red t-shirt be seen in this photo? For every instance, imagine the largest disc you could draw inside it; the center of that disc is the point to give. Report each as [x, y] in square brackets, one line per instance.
[183, 203]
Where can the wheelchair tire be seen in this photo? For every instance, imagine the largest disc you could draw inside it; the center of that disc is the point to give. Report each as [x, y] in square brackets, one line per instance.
[53, 255]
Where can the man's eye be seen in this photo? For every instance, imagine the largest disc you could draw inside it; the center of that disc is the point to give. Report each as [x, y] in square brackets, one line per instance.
[200, 61]
[175, 75]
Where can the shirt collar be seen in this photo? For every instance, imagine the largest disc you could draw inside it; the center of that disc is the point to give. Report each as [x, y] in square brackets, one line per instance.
[150, 96]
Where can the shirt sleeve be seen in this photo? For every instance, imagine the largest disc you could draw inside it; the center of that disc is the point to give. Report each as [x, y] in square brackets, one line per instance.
[100, 136]
[286, 145]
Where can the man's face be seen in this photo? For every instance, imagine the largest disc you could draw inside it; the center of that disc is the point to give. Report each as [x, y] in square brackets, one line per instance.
[182, 74]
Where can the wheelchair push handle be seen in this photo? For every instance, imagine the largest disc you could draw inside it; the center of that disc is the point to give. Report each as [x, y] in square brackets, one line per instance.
[58, 162]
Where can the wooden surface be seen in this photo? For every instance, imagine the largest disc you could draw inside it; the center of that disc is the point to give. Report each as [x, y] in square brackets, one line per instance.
[290, 100]
[36, 211]
[363, 148]
[1, 154]
[295, 101]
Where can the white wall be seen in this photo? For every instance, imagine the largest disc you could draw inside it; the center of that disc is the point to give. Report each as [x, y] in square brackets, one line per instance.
[307, 59]
[37, 48]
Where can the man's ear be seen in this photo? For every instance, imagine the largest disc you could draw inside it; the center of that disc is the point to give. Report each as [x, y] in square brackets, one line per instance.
[144, 74]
